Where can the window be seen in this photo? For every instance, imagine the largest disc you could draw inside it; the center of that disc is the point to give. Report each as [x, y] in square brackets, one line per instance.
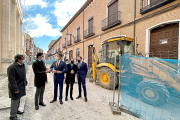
[78, 33]
[77, 53]
[70, 38]
[112, 10]
[149, 5]
[90, 26]
[113, 17]
[70, 54]
[65, 41]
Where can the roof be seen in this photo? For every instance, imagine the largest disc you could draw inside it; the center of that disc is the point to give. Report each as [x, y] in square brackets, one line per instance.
[86, 4]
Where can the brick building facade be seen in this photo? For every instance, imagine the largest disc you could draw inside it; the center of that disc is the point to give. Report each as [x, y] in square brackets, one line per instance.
[53, 48]
[154, 24]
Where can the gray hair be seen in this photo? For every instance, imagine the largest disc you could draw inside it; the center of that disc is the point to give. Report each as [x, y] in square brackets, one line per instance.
[18, 57]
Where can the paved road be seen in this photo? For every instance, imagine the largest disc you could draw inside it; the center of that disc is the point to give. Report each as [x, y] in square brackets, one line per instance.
[97, 107]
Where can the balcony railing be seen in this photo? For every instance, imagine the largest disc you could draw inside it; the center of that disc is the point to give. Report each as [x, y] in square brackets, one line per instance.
[64, 45]
[111, 21]
[69, 43]
[77, 39]
[89, 32]
[149, 5]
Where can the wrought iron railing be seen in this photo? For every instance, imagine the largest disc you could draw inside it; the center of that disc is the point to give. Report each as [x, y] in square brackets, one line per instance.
[69, 43]
[64, 45]
[111, 21]
[148, 5]
[89, 32]
[77, 38]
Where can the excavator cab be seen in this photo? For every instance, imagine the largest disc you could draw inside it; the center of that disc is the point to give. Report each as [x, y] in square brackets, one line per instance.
[103, 72]
[115, 47]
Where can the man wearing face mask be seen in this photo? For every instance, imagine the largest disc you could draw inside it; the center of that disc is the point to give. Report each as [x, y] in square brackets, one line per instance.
[16, 84]
[81, 75]
[40, 79]
[60, 68]
[70, 78]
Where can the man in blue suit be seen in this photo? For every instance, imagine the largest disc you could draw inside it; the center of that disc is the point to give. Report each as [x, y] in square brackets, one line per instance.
[59, 69]
[81, 75]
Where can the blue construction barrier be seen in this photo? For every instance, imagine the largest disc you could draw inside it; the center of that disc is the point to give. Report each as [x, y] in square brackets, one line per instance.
[47, 61]
[150, 87]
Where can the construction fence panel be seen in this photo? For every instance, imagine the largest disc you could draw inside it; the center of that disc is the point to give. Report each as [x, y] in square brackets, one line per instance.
[150, 87]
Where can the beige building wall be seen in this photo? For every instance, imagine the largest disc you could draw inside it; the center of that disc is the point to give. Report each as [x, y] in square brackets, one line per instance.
[17, 34]
[10, 18]
[13, 30]
[5, 58]
[0, 32]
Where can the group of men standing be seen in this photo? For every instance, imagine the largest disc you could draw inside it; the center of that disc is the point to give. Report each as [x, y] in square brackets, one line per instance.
[17, 80]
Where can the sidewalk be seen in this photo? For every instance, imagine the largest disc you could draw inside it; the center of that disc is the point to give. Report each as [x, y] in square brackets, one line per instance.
[97, 107]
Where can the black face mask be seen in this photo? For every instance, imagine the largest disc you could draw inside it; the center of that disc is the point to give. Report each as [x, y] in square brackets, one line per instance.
[72, 62]
[79, 61]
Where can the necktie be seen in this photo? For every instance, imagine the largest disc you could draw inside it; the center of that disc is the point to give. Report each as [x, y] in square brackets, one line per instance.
[57, 65]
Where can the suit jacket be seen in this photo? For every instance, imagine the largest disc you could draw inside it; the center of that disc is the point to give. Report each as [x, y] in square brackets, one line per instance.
[82, 71]
[70, 77]
[16, 80]
[62, 67]
[40, 77]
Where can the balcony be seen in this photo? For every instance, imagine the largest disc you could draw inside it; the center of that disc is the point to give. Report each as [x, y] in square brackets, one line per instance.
[111, 21]
[69, 43]
[149, 5]
[64, 45]
[89, 32]
[77, 39]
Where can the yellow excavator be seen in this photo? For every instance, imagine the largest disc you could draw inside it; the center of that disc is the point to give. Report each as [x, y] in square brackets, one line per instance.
[103, 70]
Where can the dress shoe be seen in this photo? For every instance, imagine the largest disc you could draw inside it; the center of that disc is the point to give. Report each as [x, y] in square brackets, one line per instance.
[66, 99]
[53, 101]
[72, 98]
[19, 112]
[42, 104]
[14, 118]
[61, 102]
[78, 97]
[37, 107]
[85, 99]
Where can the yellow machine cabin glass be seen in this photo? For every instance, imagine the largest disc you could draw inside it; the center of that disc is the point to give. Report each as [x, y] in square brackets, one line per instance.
[111, 48]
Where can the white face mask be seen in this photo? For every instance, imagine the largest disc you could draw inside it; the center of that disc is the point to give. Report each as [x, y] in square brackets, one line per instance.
[56, 58]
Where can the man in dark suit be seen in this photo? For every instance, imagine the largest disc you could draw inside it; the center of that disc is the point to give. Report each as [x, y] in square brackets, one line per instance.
[81, 75]
[59, 69]
[16, 85]
[70, 78]
[40, 79]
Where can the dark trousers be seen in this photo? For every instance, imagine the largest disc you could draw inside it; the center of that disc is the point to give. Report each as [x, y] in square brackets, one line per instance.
[14, 107]
[56, 82]
[71, 89]
[83, 82]
[39, 95]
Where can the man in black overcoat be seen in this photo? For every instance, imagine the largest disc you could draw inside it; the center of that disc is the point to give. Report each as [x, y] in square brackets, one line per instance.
[70, 78]
[40, 79]
[16, 85]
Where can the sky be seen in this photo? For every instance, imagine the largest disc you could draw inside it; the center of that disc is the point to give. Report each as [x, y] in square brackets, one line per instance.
[44, 19]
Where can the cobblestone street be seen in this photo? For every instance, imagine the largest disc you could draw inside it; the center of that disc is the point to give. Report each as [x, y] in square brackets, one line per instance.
[97, 107]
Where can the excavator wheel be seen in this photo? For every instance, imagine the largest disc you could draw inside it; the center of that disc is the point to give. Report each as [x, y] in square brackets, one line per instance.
[105, 77]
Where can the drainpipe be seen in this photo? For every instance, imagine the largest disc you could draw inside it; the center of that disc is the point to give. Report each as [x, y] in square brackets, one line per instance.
[83, 35]
[134, 23]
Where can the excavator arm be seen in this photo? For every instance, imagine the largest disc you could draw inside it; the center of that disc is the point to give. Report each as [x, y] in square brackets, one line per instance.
[95, 61]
